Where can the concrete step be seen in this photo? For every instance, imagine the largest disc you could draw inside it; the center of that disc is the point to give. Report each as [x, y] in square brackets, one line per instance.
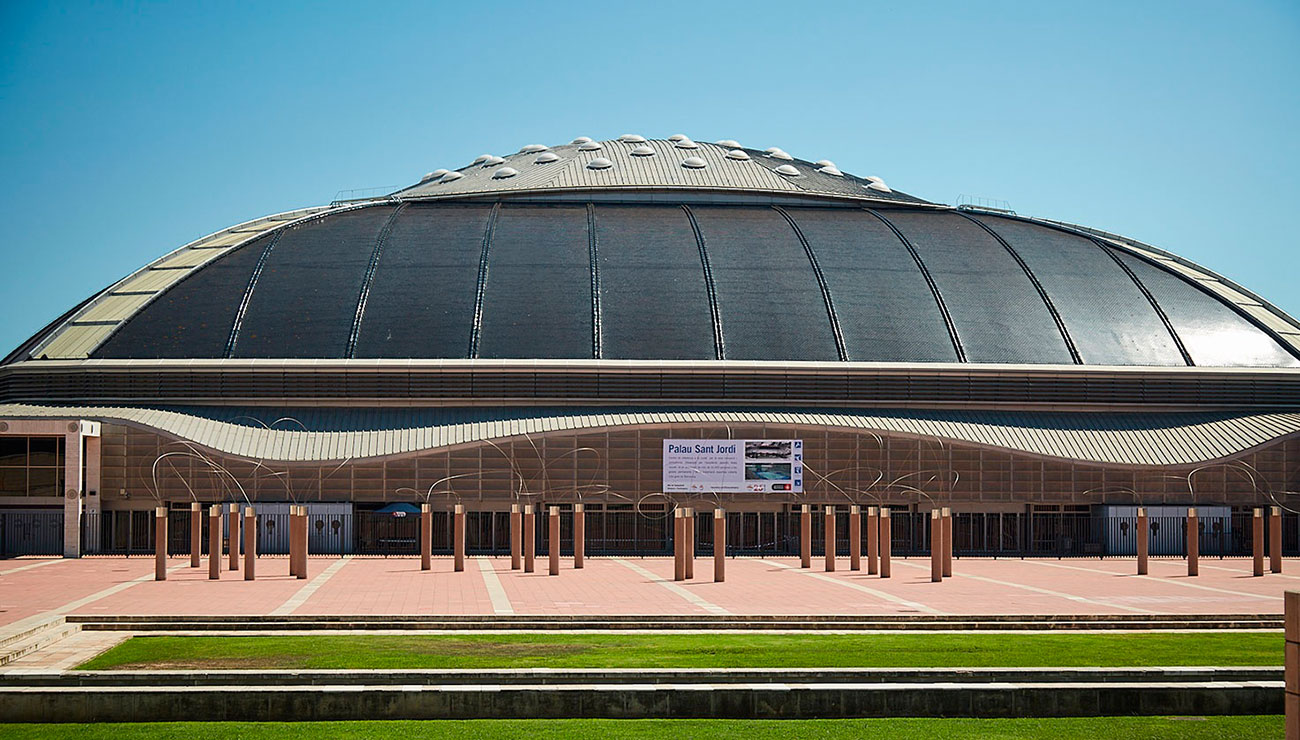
[675, 618]
[27, 641]
[609, 676]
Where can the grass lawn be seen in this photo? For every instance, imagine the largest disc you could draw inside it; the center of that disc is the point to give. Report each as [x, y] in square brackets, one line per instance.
[602, 650]
[1129, 728]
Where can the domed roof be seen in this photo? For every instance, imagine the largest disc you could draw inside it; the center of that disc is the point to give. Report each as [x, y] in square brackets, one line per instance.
[652, 258]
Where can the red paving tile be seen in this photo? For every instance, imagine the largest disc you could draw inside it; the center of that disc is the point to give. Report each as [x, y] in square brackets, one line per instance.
[775, 586]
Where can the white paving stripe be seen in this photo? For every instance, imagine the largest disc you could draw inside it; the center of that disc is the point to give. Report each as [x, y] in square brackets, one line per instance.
[1157, 579]
[30, 566]
[1044, 591]
[500, 602]
[858, 587]
[38, 619]
[304, 593]
[672, 586]
[1241, 571]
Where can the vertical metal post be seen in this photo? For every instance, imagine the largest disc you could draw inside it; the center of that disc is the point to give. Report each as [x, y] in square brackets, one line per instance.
[426, 537]
[855, 537]
[214, 542]
[946, 516]
[805, 537]
[1193, 543]
[250, 543]
[873, 539]
[936, 546]
[886, 542]
[458, 536]
[828, 537]
[1257, 541]
[553, 549]
[196, 533]
[232, 536]
[530, 538]
[579, 536]
[1143, 540]
[1275, 539]
[160, 544]
[516, 536]
[719, 545]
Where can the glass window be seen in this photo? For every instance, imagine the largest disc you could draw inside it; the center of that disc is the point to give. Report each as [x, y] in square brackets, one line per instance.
[13, 481]
[45, 451]
[13, 451]
[43, 482]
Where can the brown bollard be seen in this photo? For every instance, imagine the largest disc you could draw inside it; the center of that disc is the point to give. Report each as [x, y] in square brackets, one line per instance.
[886, 542]
[304, 535]
[855, 537]
[214, 542]
[530, 538]
[679, 544]
[553, 543]
[1291, 662]
[426, 537]
[293, 541]
[688, 553]
[719, 545]
[579, 536]
[160, 544]
[805, 537]
[1193, 543]
[1257, 541]
[828, 537]
[196, 533]
[250, 543]
[947, 516]
[516, 536]
[458, 536]
[1275, 539]
[873, 539]
[232, 536]
[1143, 540]
[936, 546]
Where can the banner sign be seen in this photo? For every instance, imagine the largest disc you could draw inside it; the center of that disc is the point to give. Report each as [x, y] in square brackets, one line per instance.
[733, 465]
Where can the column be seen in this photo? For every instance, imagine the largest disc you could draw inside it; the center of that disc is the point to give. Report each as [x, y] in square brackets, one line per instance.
[458, 537]
[1257, 541]
[196, 533]
[160, 544]
[873, 539]
[426, 537]
[516, 536]
[91, 512]
[946, 516]
[304, 546]
[719, 545]
[855, 537]
[679, 541]
[886, 542]
[232, 536]
[579, 535]
[293, 540]
[689, 545]
[1275, 539]
[1193, 543]
[250, 544]
[553, 546]
[1291, 662]
[828, 537]
[1143, 540]
[214, 542]
[805, 537]
[936, 546]
[530, 538]
[73, 490]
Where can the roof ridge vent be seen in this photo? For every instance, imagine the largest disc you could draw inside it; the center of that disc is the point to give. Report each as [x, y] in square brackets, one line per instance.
[632, 139]
[589, 146]
[694, 163]
[830, 169]
[878, 184]
[788, 170]
[599, 163]
[533, 148]
[493, 161]
[433, 175]
[686, 144]
[777, 152]
[728, 142]
[451, 177]
[678, 137]
[581, 140]
[644, 150]
[738, 154]
[504, 172]
[545, 157]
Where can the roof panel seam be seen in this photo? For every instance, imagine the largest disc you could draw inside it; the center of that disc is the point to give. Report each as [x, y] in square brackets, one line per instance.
[248, 293]
[369, 280]
[597, 342]
[719, 345]
[821, 283]
[476, 329]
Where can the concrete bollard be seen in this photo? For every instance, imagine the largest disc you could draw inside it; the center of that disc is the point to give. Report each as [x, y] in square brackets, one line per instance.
[873, 539]
[936, 546]
[160, 544]
[579, 536]
[293, 541]
[828, 537]
[805, 537]
[946, 516]
[1275, 539]
[250, 544]
[553, 545]
[426, 536]
[458, 536]
[886, 542]
[1193, 543]
[1143, 540]
[1291, 662]
[719, 545]
[855, 537]
[1257, 541]
[304, 534]
[232, 536]
[196, 533]
[214, 542]
[689, 544]
[679, 542]
[516, 536]
[530, 538]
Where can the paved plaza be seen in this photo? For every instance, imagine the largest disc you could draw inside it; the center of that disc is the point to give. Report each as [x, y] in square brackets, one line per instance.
[32, 590]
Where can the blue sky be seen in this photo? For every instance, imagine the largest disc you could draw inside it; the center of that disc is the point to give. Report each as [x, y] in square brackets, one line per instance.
[128, 129]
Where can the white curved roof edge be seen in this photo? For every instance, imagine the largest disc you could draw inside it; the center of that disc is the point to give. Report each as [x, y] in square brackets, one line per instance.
[1159, 445]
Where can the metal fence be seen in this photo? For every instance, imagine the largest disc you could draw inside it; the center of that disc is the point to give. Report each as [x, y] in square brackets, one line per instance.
[31, 533]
